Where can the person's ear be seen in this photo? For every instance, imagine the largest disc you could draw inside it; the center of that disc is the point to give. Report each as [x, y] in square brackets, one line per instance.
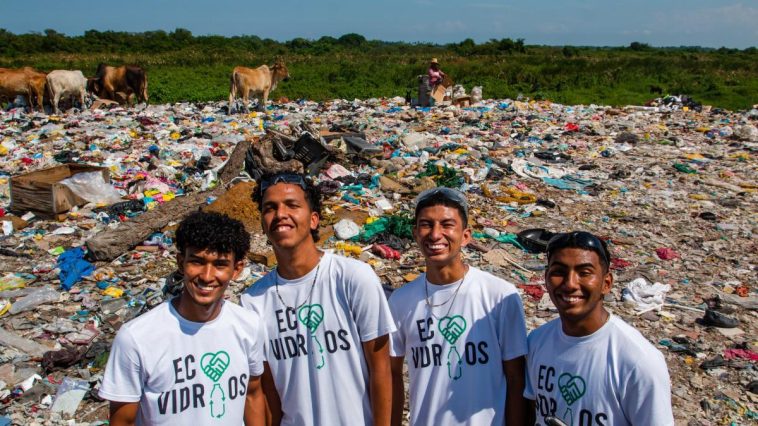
[607, 282]
[180, 262]
[467, 236]
[239, 265]
[315, 219]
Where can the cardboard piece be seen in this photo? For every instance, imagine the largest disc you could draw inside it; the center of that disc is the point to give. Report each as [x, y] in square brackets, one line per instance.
[438, 93]
[42, 193]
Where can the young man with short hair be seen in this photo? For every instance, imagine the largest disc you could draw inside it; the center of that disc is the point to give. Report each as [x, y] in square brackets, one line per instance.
[460, 330]
[195, 359]
[589, 367]
[328, 323]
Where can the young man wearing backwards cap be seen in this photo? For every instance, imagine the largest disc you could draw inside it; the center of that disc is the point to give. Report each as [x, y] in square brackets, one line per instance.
[460, 330]
[328, 323]
[589, 367]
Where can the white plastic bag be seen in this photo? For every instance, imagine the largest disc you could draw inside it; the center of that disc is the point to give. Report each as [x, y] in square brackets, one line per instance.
[92, 187]
[643, 295]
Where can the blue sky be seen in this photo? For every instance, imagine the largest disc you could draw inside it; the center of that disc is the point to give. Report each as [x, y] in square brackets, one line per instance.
[712, 23]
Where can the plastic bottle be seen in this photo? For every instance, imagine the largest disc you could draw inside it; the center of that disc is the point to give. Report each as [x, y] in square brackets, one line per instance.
[31, 300]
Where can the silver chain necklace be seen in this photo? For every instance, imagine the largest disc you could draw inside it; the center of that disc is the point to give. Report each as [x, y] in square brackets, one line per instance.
[449, 299]
[310, 293]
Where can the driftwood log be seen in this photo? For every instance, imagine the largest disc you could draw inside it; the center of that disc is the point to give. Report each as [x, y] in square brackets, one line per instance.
[112, 243]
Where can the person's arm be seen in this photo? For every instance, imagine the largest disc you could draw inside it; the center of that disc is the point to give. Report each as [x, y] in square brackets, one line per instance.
[377, 353]
[398, 390]
[515, 404]
[255, 404]
[646, 393]
[271, 396]
[531, 412]
[123, 413]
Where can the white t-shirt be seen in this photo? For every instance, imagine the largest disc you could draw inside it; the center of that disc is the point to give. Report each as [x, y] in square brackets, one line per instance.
[614, 376]
[185, 372]
[315, 351]
[455, 360]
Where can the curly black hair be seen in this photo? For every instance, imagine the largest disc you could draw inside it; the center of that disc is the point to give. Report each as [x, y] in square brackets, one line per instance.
[312, 194]
[213, 231]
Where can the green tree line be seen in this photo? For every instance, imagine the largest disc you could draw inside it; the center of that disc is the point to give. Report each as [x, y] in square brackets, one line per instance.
[185, 67]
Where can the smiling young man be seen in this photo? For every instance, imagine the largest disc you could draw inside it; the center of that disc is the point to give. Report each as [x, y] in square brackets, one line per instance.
[195, 359]
[589, 367]
[460, 330]
[328, 323]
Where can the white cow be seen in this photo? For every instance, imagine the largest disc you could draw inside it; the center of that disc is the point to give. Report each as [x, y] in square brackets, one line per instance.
[66, 84]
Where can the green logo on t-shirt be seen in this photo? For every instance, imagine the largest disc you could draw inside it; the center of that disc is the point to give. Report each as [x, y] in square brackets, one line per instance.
[312, 316]
[214, 365]
[572, 387]
[451, 329]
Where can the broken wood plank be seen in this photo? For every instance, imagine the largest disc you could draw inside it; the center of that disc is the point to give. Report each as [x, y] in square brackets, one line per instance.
[112, 243]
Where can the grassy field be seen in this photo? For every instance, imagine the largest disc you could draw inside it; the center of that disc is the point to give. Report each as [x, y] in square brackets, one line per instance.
[610, 76]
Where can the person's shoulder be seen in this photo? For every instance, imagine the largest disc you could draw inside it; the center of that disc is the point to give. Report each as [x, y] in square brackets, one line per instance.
[144, 326]
[259, 287]
[352, 270]
[238, 313]
[637, 349]
[348, 263]
[543, 332]
[157, 315]
[408, 292]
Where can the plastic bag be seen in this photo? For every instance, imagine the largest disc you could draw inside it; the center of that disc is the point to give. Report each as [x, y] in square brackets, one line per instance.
[39, 297]
[92, 187]
[643, 295]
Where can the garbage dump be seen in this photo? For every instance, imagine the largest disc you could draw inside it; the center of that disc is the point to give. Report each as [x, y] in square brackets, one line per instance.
[672, 187]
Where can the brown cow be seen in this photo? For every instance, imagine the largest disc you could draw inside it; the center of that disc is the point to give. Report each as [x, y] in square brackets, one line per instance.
[26, 82]
[128, 79]
[259, 81]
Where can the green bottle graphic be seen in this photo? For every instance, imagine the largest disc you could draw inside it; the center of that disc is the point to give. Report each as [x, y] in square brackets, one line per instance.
[213, 366]
[451, 329]
[311, 316]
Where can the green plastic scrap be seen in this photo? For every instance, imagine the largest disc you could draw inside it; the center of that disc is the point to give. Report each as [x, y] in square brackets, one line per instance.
[685, 168]
[502, 238]
[398, 225]
[371, 229]
[443, 175]
[401, 225]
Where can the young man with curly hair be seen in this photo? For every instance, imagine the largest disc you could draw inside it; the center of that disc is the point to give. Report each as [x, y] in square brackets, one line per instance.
[195, 359]
[326, 316]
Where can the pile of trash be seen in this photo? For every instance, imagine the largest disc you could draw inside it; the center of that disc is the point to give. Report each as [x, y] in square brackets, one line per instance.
[89, 203]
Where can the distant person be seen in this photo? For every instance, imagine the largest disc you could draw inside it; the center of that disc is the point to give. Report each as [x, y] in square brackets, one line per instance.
[436, 76]
[588, 366]
[195, 359]
[461, 330]
[327, 318]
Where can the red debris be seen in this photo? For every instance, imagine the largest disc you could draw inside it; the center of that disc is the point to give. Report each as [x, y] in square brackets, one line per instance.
[533, 291]
[742, 290]
[665, 253]
[617, 263]
[741, 353]
[385, 252]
